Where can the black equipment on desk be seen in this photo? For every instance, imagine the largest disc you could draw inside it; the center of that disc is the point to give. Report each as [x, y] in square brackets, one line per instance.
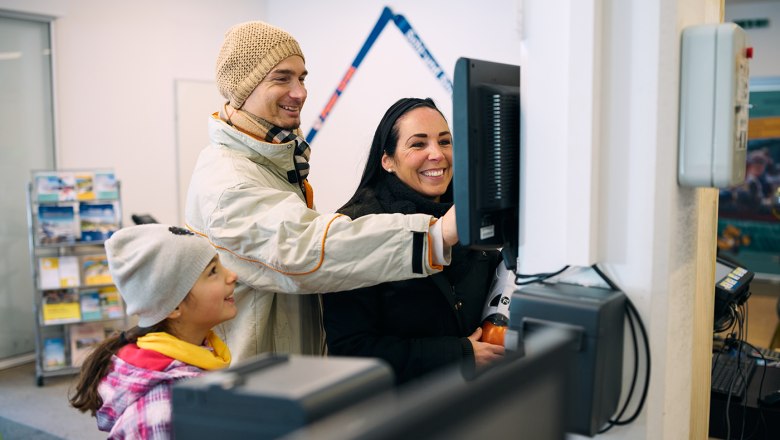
[732, 289]
[749, 418]
[519, 397]
[272, 395]
[597, 315]
[731, 374]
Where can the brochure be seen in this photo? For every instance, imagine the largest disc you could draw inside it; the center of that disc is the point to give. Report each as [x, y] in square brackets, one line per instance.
[57, 224]
[95, 270]
[98, 221]
[53, 353]
[85, 187]
[60, 307]
[83, 339]
[90, 306]
[110, 303]
[106, 186]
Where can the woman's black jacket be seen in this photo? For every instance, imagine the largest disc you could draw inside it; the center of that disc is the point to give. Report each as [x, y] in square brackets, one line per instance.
[416, 325]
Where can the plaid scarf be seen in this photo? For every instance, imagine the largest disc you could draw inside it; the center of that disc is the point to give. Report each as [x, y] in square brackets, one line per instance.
[276, 135]
[264, 130]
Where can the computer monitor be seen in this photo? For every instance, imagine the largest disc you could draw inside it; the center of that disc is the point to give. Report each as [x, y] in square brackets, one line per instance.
[486, 155]
[520, 397]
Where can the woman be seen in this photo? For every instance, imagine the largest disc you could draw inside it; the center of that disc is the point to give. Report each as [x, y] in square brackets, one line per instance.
[422, 324]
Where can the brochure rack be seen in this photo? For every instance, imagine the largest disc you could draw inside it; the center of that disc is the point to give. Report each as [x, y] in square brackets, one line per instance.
[70, 215]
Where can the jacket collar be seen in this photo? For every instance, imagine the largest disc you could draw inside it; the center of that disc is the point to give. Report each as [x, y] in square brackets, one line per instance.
[279, 155]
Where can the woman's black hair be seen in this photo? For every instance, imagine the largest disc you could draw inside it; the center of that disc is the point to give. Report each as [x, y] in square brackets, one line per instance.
[386, 139]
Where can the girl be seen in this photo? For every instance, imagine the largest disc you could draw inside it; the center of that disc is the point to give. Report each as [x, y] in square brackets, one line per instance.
[173, 280]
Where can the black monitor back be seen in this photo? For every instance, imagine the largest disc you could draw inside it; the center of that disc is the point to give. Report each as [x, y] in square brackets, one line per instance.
[486, 154]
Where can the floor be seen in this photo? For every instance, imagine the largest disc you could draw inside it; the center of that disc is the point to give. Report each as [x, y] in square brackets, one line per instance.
[42, 413]
[43, 408]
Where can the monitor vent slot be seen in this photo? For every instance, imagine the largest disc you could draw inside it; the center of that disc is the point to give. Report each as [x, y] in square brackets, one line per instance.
[504, 146]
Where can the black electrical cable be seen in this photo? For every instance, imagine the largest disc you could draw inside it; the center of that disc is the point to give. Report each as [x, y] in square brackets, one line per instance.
[610, 423]
[631, 315]
[729, 323]
[631, 310]
[760, 386]
[740, 338]
[745, 377]
[737, 337]
[537, 277]
[646, 387]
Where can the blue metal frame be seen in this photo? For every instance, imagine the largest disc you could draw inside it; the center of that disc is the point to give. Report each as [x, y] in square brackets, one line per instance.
[414, 40]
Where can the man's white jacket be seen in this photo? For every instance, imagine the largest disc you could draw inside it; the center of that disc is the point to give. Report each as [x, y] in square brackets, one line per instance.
[241, 200]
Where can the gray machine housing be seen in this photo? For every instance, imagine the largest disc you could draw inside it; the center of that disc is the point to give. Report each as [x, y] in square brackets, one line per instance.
[273, 395]
[597, 316]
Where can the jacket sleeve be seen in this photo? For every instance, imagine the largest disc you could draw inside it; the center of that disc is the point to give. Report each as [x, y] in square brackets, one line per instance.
[149, 417]
[353, 327]
[276, 243]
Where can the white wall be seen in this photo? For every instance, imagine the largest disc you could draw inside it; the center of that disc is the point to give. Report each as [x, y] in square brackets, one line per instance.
[765, 41]
[331, 34]
[648, 232]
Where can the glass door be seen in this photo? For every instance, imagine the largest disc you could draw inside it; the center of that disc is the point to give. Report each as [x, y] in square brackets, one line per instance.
[26, 144]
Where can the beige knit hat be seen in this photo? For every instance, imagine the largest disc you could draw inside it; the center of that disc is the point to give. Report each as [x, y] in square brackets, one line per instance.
[249, 52]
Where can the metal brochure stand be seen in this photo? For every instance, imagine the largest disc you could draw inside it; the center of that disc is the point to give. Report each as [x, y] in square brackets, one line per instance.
[70, 214]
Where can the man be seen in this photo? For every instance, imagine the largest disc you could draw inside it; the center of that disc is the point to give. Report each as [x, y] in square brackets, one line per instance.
[249, 196]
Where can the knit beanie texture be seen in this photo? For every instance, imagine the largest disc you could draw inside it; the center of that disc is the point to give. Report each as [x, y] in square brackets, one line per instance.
[249, 52]
[154, 266]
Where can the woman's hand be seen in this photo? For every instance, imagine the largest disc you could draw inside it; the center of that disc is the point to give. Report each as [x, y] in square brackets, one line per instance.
[449, 227]
[484, 353]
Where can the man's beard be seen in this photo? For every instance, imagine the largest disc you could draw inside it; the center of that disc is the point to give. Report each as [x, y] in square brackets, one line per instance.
[291, 127]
